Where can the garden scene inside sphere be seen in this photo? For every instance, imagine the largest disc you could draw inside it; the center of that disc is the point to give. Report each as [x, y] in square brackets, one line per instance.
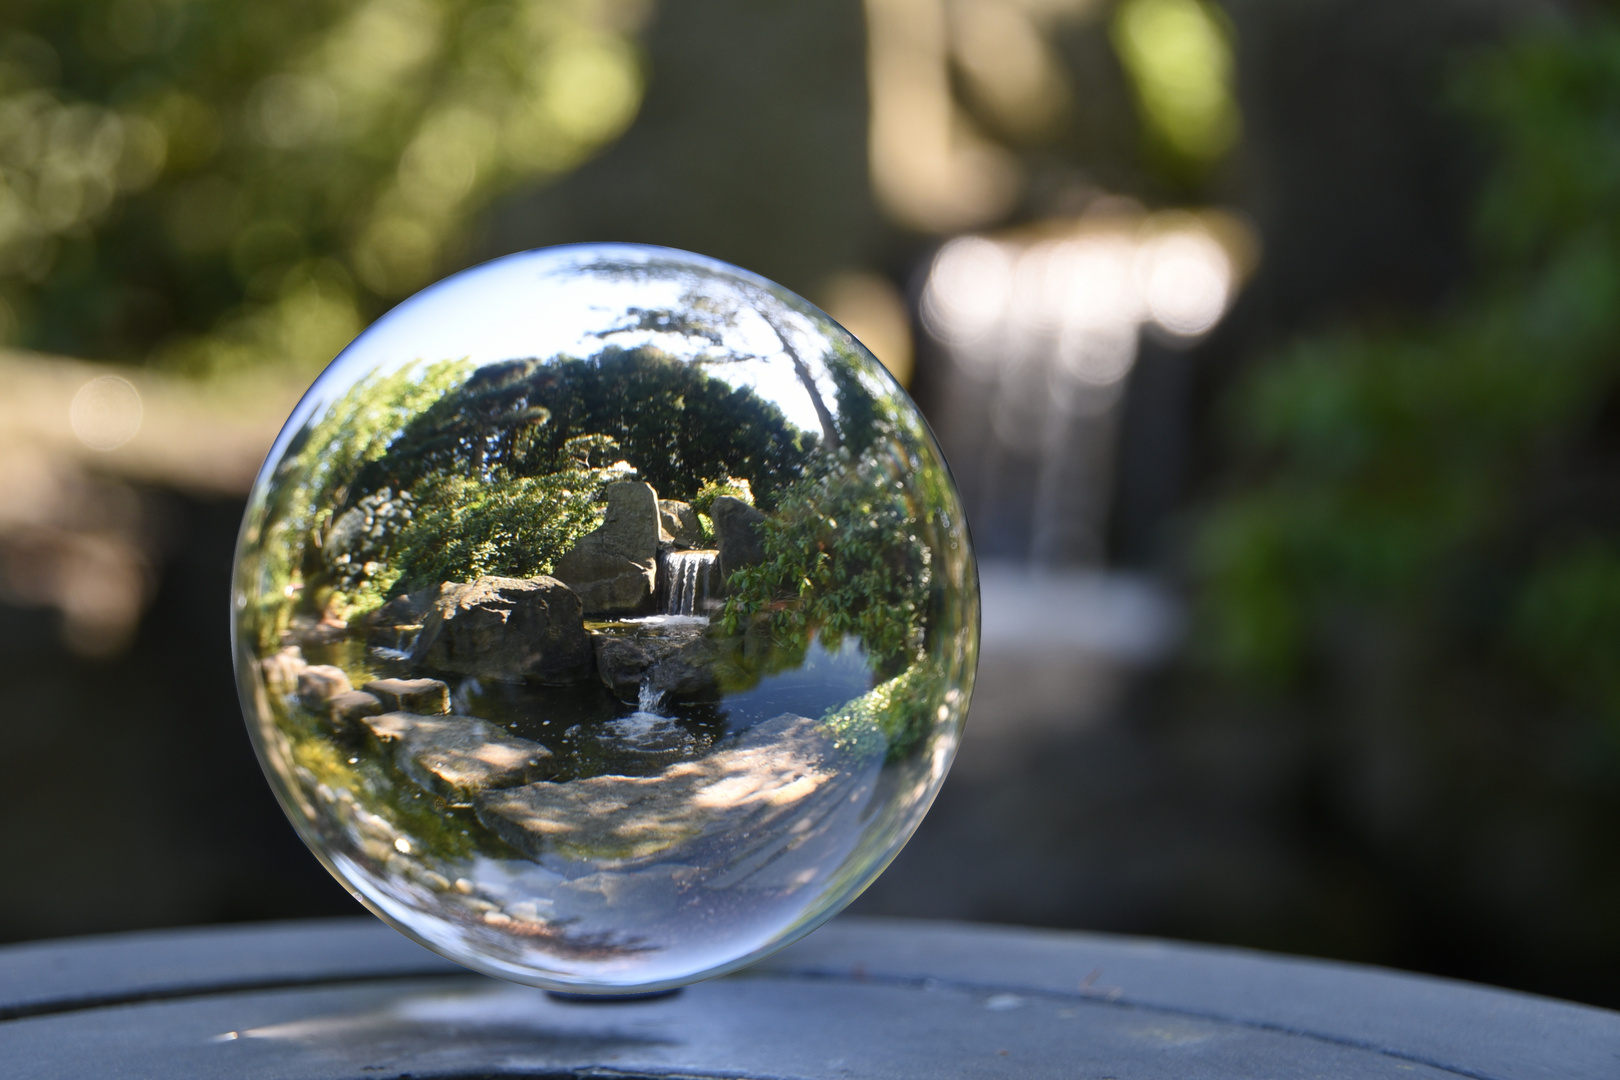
[605, 617]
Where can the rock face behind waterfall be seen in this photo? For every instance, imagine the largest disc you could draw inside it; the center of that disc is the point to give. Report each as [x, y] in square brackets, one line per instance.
[614, 568]
[624, 662]
[737, 534]
[508, 630]
[680, 523]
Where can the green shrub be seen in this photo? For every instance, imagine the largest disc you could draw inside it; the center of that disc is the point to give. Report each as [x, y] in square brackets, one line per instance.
[851, 547]
[231, 185]
[511, 526]
[1441, 480]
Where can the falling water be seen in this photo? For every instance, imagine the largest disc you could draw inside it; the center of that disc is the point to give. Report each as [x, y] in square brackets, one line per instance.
[687, 574]
[649, 735]
[649, 699]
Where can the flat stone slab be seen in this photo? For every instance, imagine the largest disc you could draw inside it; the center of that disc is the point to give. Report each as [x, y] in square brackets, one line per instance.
[344, 709]
[458, 756]
[429, 697]
[785, 766]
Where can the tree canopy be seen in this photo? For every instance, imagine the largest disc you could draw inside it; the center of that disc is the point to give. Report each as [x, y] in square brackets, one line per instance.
[675, 424]
[215, 185]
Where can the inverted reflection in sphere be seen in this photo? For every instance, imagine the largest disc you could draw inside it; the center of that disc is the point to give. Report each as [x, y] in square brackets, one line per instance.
[605, 618]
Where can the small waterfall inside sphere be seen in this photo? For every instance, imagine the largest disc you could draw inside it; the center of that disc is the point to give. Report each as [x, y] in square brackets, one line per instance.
[649, 700]
[688, 573]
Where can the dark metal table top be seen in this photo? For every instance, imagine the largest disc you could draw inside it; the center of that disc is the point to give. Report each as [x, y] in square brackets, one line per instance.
[859, 998]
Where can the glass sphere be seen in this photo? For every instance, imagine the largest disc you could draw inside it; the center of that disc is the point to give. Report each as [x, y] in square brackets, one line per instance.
[605, 618]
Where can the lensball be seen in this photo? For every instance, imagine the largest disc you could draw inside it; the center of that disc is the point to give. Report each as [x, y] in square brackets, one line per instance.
[605, 618]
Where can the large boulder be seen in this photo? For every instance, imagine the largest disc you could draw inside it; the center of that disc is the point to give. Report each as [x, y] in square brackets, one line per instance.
[680, 523]
[507, 630]
[624, 661]
[614, 568]
[713, 664]
[737, 535]
[694, 671]
[622, 664]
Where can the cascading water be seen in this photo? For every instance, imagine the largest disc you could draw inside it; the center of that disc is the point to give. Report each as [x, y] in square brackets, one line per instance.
[648, 733]
[687, 573]
[649, 699]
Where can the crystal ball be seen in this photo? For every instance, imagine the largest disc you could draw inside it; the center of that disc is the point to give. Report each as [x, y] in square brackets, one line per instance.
[605, 618]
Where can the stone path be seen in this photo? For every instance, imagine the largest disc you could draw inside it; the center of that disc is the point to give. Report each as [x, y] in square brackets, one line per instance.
[709, 813]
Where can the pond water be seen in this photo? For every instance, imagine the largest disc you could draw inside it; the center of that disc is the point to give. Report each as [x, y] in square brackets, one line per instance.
[580, 895]
[591, 732]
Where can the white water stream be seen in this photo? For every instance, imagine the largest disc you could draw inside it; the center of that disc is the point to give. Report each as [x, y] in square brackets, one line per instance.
[687, 575]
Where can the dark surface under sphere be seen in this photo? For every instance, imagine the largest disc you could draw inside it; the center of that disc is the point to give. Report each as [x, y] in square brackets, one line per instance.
[863, 997]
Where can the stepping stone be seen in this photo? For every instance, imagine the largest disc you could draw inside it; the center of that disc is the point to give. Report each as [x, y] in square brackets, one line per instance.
[344, 709]
[320, 683]
[281, 670]
[428, 697]
[458, 756]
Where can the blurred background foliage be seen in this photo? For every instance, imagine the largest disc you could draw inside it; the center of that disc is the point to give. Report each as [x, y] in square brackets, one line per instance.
[1452, 480]
[1381, 476]
[211, 186]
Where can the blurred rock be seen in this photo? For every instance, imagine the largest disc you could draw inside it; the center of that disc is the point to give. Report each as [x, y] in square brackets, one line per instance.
[304, 629]
[320, 683]
[408, 609]
[345, 708]
[281, 670]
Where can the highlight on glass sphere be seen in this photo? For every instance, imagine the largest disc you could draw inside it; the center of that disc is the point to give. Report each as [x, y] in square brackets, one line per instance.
[605, 618]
